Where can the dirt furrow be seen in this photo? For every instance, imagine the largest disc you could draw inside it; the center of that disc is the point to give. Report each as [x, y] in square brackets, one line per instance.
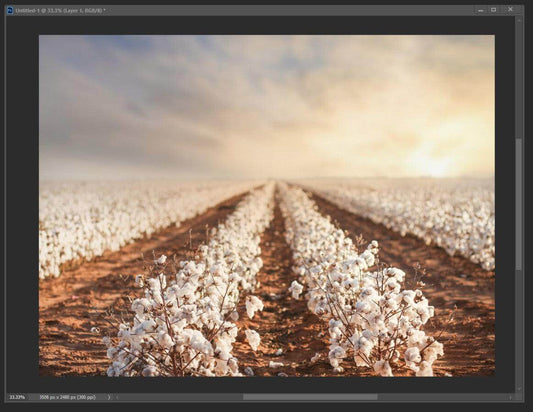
[71, 305]
[450, 282]
[285, 324]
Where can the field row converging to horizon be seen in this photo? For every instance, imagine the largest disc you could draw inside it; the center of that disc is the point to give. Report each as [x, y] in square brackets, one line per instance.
[188, 315]
[83, 220]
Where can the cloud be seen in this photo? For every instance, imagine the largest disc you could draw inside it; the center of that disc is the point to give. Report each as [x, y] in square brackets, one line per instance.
[258, 106]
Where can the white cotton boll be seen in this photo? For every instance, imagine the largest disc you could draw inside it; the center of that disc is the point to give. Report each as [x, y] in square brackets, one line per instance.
[162, 259]
[158, 298]
[369, 291]
[171, 292]
[425, 369]
[256, 266]
[335, 354]
[363, 346]
[106, 340]
[296, 289]
[187, 290]
[408, 296]
[147, 326]
[257, 302]
[253, 304]
[319, 309]
[350, 284]
[412, 358]
[433, 351]
[216, 270]
[383, 368]
[315, 357]
[378, 325]
[140, 305]
[253, 338]
[335, 324]
[315, 270]
[368, 259]
[233, 366]
[279, 352]
[165, 340]
[198, 342]
[275, 365]
[221, 367]
[207, 372]
[412, 355]
[423, 312]
[139, 280]
[150, 371]
[395, 273]
[111, 352]
[248, 371]
[363, 307]
[335, 333]
[416, 337]
[154, 284]
[392, 285]
[223, 349]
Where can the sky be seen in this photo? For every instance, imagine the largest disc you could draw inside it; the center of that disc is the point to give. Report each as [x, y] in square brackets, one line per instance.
[200, 107]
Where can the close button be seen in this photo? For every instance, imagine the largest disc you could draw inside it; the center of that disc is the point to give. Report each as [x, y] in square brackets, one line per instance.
[511, 9]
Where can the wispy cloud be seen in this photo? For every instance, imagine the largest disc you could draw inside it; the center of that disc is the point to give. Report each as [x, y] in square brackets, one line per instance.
[256, 106]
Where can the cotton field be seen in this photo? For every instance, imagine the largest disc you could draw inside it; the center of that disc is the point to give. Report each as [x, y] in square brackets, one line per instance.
[455, 214]
[84, 219]
[274, 286]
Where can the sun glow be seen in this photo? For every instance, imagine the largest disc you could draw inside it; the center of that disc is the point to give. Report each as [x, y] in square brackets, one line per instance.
[424, 165]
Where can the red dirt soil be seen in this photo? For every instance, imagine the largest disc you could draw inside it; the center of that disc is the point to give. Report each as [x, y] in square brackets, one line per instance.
[77, 301]
[284, 323]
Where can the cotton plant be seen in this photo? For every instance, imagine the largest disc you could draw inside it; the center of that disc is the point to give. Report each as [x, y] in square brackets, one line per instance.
[371, 317]
[174, 332]
[383, 328]
[325, 259]
[184, 323]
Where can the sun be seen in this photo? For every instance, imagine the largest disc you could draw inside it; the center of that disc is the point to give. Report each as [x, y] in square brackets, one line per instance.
[432, 166]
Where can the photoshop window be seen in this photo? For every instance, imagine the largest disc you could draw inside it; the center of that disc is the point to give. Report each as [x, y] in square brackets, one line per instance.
[263, 203]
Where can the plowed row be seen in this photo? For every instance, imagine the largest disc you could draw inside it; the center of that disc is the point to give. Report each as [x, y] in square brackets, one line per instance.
[70, 306]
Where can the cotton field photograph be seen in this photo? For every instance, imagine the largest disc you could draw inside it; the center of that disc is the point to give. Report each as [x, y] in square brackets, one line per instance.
[266, 206]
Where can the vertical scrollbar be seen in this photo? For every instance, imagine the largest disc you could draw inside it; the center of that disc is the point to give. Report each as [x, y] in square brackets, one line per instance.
[519, 197]
[519, 134]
